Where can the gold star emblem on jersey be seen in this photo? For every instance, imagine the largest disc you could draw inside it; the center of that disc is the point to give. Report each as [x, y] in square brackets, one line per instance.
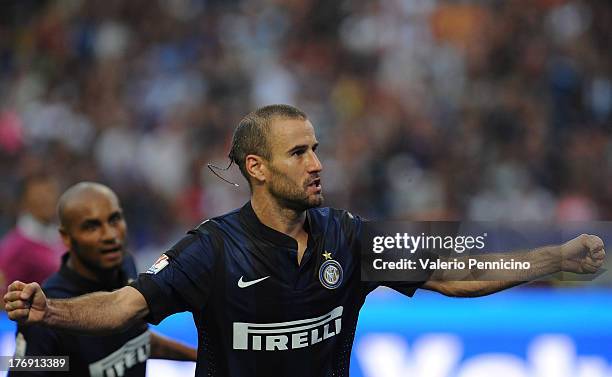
[327, 255]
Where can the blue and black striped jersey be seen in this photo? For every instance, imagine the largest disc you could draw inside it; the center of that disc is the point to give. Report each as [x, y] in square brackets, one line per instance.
[123, 354]
[258, 312]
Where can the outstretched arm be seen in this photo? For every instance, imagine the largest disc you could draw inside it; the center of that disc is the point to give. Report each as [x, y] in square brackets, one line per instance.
[584, 254]
[95, 313]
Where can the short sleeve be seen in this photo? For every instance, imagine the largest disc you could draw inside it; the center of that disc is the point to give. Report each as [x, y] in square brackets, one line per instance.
[36, 341]
[181, 279]
[407, 288]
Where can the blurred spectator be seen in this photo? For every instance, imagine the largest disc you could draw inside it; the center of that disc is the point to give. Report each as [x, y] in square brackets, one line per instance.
[428, 109]
[32, 250]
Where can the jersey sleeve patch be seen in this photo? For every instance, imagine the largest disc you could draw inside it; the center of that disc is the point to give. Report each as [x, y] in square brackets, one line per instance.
[159, 265]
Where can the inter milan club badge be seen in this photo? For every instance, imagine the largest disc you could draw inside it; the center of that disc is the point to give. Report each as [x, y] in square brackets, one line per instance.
[330, 272]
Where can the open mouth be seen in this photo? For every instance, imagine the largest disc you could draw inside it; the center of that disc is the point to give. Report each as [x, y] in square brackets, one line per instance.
[316, 184]
[116, 249]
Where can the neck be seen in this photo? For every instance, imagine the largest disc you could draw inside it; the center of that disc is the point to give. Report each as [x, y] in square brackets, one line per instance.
[76, 265]
[277, 217]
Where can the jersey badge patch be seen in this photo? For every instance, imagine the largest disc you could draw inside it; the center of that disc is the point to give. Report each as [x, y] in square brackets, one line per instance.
[330, 274]
[159, 264]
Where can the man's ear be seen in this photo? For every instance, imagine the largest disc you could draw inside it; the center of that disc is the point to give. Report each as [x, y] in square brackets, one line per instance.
[65, 237]
[255, 167]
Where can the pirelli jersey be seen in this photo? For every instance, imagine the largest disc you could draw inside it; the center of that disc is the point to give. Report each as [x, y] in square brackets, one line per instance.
[257, 311]
[118, 355]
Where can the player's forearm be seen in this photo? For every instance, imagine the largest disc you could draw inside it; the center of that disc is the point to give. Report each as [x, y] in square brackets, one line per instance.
[95, 313]
[474, 282]
[541, 261]
[469, 288]
[519, 266]
[164, 348]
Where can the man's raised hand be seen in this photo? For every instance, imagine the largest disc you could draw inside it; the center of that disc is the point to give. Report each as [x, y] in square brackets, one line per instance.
[25, 303]
[584, 254]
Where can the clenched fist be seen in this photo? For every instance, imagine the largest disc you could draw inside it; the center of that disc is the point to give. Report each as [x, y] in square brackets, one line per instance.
[25, 303]
[584, 254]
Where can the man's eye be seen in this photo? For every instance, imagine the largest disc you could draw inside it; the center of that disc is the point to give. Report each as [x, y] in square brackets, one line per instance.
[115, 219]
[299, 152]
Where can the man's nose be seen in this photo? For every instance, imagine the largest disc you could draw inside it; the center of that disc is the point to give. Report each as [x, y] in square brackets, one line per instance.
[109, 233]
[315, 165]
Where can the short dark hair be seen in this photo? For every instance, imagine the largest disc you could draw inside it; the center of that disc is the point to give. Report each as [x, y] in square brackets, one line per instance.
[251, 135]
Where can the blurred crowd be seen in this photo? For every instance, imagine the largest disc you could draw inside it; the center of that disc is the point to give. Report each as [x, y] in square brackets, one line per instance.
[424, 109]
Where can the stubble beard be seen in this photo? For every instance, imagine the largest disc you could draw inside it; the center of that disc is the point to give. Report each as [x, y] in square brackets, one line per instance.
[292, 196]
[78, 253]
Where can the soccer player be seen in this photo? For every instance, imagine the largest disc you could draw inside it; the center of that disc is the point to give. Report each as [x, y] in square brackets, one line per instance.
[93, 230]
[274, 286]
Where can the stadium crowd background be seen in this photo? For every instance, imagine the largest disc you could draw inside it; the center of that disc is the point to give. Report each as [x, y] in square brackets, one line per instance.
[424, 109]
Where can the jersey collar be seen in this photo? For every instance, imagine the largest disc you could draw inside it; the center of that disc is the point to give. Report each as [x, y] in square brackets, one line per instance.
[250, 219]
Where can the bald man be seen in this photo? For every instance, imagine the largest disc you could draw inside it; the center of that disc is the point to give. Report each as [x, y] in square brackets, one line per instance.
[93, 230]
